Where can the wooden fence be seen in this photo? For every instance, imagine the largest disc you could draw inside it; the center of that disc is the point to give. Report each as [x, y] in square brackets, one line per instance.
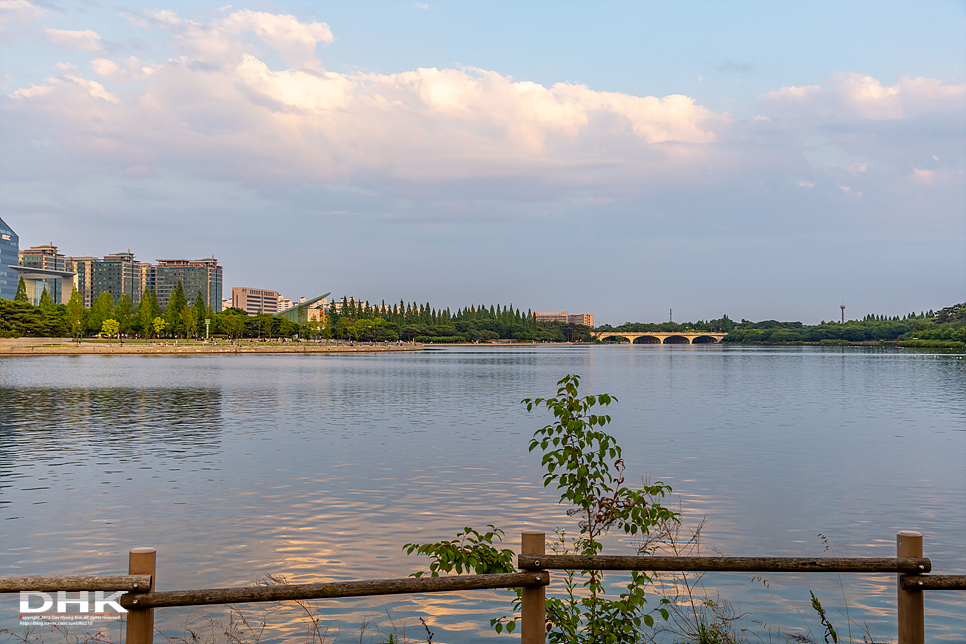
[142, 599]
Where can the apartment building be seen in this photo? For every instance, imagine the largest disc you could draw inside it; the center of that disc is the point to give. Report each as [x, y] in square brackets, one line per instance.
[254, 300]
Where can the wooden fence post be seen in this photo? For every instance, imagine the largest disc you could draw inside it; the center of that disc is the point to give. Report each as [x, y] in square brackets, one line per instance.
[912, 623]
[140, 621]
[533, 605]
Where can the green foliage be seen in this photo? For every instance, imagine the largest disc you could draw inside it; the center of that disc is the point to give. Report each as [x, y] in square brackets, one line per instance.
[21, 295]
[158, 324]
[101, 309]
[24, 319]
[471, 551]
[174, 310]
[124, 312]
[110, 327]
[585, 464]
[188, 321]
[47, 302]
[75, 313]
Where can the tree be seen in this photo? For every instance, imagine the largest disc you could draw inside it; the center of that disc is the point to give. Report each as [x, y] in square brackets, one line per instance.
[123, 311]
[102, 308]
[21, 295]
[75, 313]
[110, 327]
[200, 310]
[158, 325]
[47, 302]
[189, 321]
[145, 314]
[172, 312]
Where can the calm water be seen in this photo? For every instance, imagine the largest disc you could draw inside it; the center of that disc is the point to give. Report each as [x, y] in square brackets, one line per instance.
[320, 468]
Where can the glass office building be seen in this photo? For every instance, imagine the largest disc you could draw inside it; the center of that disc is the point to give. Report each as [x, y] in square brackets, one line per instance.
[9, 256]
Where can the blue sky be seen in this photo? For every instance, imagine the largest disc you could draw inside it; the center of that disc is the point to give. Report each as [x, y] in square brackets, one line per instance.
[760, 159]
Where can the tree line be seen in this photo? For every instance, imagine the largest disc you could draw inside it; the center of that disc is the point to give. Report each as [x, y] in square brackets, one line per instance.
[348, 320]
[413, 321]
[121, 318]
[948, 324]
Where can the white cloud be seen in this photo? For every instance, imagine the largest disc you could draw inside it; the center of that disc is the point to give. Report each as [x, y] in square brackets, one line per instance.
[19, 11]
[852, 95]
[86, 40]
[939, 176]
[422, 5]
[220, 107]
[806, 184]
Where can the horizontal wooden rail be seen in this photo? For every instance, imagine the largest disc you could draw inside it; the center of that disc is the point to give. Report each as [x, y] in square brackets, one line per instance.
[725, 564]
[933, 582]
[335, 589]
[72, 583]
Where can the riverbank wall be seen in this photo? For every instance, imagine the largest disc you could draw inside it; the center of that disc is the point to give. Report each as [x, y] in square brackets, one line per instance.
[66, 347]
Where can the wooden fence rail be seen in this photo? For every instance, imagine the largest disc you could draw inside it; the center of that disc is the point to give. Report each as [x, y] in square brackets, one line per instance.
[724, 564]
[288, 592]
[142, 599]
[71, 583]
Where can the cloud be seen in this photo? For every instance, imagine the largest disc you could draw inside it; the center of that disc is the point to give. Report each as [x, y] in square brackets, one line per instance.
[221, 108]
[422, 5]
[852, 95]
[86, 40]
[929, 177]
[14, 12]
[218, 107]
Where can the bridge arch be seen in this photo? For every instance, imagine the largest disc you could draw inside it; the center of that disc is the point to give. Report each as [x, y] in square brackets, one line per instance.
[646, 339]
[677, 339]
[704, 339]
[614, 338]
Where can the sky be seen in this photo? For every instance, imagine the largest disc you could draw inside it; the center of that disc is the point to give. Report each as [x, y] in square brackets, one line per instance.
[764, 160]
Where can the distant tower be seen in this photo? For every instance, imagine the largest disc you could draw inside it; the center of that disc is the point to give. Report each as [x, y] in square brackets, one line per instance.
[843, 313]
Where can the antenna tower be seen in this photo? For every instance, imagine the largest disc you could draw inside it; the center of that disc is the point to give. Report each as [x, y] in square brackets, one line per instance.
[842, 306]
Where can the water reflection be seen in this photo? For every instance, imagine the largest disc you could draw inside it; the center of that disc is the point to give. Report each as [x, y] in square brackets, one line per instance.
[319, 468]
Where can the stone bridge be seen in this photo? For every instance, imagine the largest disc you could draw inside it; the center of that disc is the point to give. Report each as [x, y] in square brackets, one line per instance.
[659, 337]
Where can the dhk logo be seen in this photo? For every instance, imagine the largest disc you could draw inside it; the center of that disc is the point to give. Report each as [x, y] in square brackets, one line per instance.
[82, 602]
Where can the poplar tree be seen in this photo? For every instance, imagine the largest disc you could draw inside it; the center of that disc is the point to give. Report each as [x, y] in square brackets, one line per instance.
[200, 310]
[75, 313]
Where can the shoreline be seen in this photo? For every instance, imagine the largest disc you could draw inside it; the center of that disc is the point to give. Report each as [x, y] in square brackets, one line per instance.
[59, 349]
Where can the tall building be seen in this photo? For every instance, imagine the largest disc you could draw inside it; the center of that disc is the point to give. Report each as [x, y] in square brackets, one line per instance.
[254, 300]
[48, 259]
[83, 268]
[204, 275]
[9, 256]
[587, 319]
[118, 274]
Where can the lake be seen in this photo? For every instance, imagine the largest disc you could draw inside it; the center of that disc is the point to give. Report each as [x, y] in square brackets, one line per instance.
[320, 468]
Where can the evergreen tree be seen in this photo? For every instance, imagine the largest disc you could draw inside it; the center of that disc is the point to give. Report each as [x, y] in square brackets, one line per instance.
[21, 295]
[47, 302]
[172, 312]
[145, 314]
